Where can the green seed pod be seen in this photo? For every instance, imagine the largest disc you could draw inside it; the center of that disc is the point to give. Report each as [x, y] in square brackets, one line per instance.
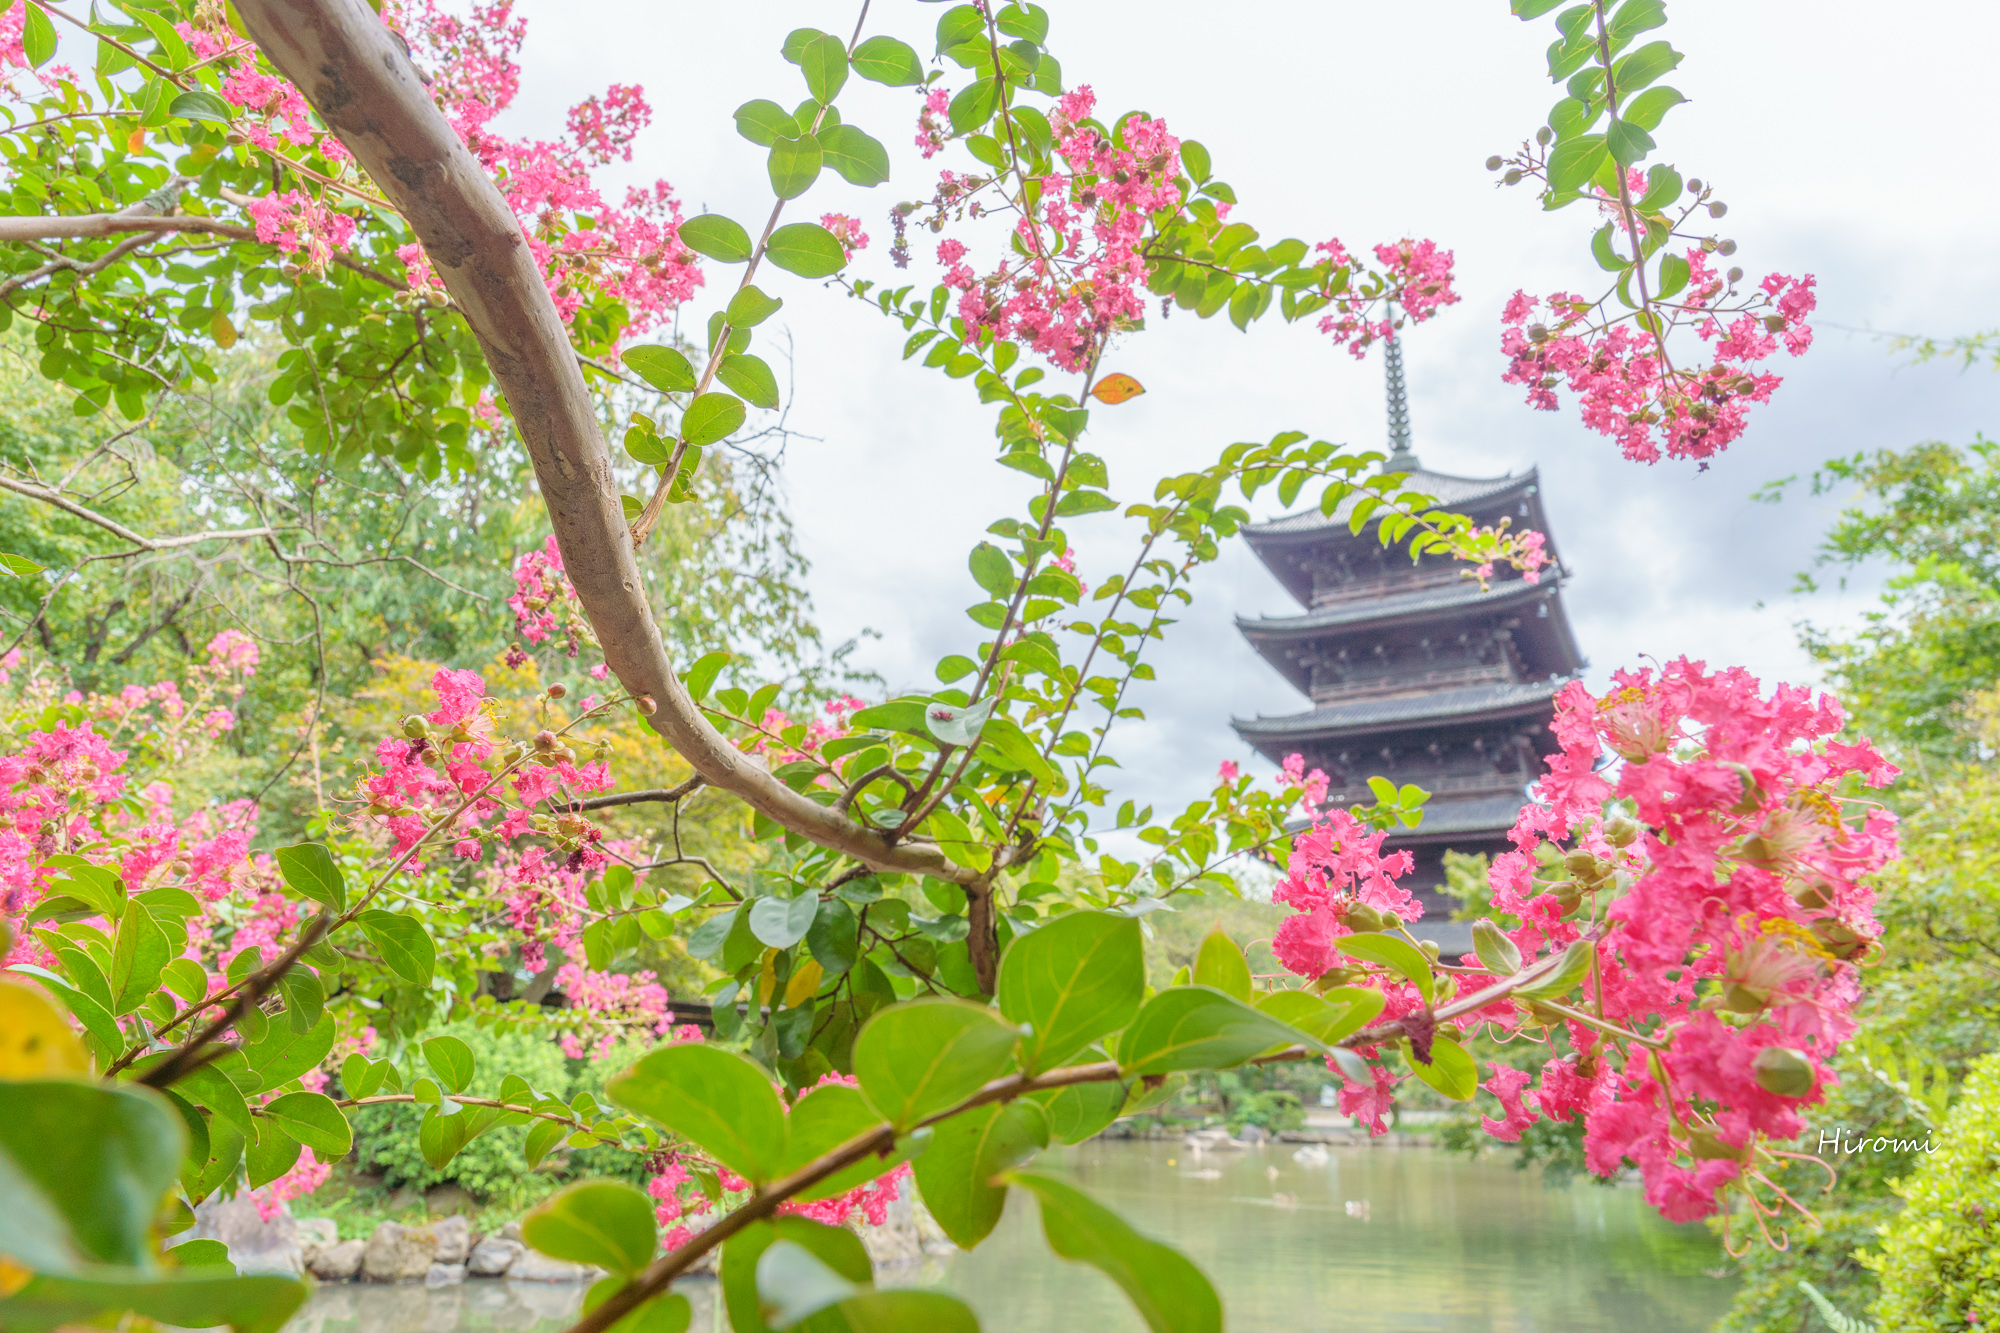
[1783, 1071]
[1621, 830]
[1495, 162]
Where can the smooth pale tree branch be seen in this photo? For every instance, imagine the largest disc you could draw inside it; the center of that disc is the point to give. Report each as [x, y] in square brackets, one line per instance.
[356, 75]
[119, 530]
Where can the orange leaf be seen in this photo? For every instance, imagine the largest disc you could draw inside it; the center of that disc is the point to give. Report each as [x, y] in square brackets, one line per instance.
[1115, 389]
[136, 143]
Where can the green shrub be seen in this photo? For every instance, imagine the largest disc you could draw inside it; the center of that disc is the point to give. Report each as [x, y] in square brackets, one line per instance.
[590, 1076]
[494, 1166]
[1939, 1260]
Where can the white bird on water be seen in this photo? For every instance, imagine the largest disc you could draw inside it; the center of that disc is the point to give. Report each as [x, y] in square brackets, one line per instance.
[1312, 1155]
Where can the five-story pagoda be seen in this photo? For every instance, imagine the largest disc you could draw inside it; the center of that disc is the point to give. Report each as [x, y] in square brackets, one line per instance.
[1414, 673]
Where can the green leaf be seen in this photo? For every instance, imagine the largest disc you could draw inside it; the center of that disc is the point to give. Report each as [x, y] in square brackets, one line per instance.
[959, 25]
[1030, 22]
[836, 1247]
[1083, 1110]
[103, 889]
[198, 1298]
[974, 105]
[200, 104]
[18, 565]
[1169, 1292]
[824, 63]
[1194, 1027]
[919, 1058]
[783, 922]
[991, 569]
[807, 249]
[1078, 978]
[403, 944]
[750, 378]
[208, 1086]
[270, 1154]
[905, 715]
[792, 1284]
[712, 416]
[282, 1054]
[751, 307]
[1650, 107]
[185, 978]
[1451, 1070]
[84, 1166]
[543, 1136]
[834, 939]
[203, 1177]
[1573, 968]
[309, 871]
[721, 1101]
[719, 238]
[763, 123]
[671, 1313]
[313, 1119]
[1643, 66]
[1574, 161]
[856, 155]
[1628, 143]
[1221, 964]
[701, 676]
[887, 61]
[824, 1119]
[1500, 954]
[662, 367]
[137, 959]
[1663, 186]
[1340, 1012]
[451, 1060]
[603, 1222]
[794, 165]
[956, 1172]
[1398, 955]
[1673, 276]
[305, 998]
[38, 36]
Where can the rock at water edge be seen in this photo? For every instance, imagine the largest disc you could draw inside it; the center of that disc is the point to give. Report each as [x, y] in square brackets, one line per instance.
[454, 1240]
[492, 1257]
[338, 1262]
[397, 1253]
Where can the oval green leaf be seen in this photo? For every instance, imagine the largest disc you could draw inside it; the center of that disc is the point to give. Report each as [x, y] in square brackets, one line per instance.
[762, 122]
[750, 377]
[1166, 1288]
[1221, 964]
[716, 236]
[956, 1172]
[887, 61]
[783, 922]
[711, 417]
[1451, 1070]
[313, 1119]
[404, 945]
[919, 1058]
[309, 871]
[807, 249]
[1396, 954]
[794, 165]
[855, 155]
[751, 307]
[602, 1222]
[718, 1099]
[663, 367]
[824, 63]
[1194, 1027]
[1078, 978]
[451, 1060]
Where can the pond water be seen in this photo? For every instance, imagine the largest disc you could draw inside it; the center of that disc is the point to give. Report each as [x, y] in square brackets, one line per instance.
[1377, 1239]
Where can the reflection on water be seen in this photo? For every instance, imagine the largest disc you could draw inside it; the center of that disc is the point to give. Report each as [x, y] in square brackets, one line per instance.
[1376, 1239]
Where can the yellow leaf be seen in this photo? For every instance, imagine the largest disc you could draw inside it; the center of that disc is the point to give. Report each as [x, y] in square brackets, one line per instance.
[1117, 388]
[805, 983]
[136, 144]
[767, 980]
[35, 1039]
[224, 331]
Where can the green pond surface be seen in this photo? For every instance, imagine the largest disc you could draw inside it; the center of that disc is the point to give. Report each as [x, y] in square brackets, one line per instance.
[1375, 1239]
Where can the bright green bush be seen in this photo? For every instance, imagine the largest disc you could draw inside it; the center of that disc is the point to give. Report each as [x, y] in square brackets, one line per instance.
[1939, 1261]
[493, 1166]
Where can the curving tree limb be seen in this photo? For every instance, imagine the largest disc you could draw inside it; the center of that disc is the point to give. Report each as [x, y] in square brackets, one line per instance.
[356, 75]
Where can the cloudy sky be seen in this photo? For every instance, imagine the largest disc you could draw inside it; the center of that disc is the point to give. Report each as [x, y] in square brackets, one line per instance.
[1846, 143]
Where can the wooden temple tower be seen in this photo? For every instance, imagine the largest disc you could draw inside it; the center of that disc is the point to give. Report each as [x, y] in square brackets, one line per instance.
[1413, 672]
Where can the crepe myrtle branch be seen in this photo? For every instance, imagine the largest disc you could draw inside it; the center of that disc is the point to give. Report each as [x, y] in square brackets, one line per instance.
[357, 77]
[880, 1141]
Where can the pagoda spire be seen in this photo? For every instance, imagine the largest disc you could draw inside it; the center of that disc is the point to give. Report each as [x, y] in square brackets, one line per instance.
[1401, 458]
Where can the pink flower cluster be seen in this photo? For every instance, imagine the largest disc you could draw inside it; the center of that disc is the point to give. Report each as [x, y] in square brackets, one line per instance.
[1418, 277]
[1717, 878]
[792, 744]
[307, 1174]
[1083, 277]
[847, 231]
[933, 127]
[614, 1004]
[1626, 386]
[545, 604]
[299, 224]
[630, 253]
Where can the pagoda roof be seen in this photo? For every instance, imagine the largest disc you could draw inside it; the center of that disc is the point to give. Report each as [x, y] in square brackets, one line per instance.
[1438, 602]
[1458, 494]
[1361, 717]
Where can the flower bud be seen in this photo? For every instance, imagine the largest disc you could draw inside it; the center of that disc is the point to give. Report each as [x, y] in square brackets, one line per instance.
[1814, 893]
[415, 727]
[1339, 976]
[1705, 1145]
[1568, 894]
[1725, 247]
[1774, 323]
[1694, 186]
[1717, 209]
[1740, 999]
[1753, 797]
[1431, 949]
[1838, 938]
[545, 741]
[1538, 333]
[558, 690]
[1783, 1071]
[1589, 867]
[1621, 830]
[1361, 919]
[1543, 135]
[1735, 276]
[1390, 921]
[1495, 162]
[1513, 177]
